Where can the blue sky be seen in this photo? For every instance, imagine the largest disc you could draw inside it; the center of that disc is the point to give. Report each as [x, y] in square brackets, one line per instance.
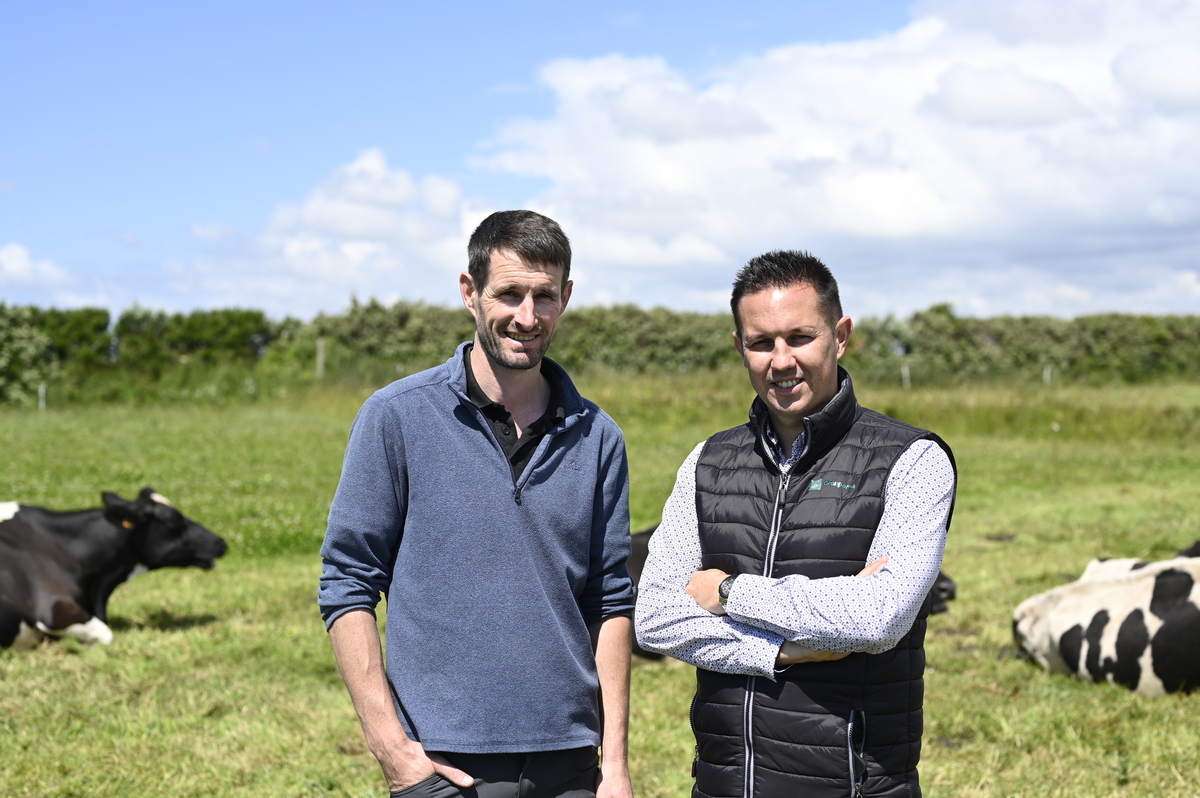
[1008, 156]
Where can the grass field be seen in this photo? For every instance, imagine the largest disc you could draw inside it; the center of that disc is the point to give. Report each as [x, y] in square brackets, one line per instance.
[222, 683]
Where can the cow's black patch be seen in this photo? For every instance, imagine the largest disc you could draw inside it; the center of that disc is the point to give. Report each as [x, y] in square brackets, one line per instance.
[1139, 565]
[10, 625]
[1070, 644]
[1094, 631]
[1132, 638]
[1174, 648]
[1171, 589]
[1191, 551]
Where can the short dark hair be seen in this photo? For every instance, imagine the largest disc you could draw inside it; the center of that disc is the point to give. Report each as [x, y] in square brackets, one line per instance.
[535, 238]
[783, 268]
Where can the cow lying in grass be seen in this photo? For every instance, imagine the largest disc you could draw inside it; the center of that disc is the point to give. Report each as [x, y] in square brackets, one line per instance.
[1127, 622]
[58, 569]
[943, 588]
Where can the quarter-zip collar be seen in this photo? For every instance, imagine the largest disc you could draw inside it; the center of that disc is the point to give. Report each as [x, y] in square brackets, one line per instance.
[573, 406]
[519, 449]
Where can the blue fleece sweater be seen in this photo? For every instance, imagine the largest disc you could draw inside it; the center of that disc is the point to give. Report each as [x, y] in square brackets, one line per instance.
[490, 583]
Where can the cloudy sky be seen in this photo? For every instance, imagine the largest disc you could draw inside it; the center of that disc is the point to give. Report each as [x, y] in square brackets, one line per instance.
[1006, 156]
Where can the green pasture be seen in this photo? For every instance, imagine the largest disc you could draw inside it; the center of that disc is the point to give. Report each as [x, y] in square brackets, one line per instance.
[222, 683]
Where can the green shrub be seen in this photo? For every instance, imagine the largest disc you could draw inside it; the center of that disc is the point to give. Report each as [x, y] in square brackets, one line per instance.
[149, 342]
[26, 355]
[79, 338]
[235, 354]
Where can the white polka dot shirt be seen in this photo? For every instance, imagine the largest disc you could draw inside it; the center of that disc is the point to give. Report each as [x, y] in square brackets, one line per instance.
[842, 613]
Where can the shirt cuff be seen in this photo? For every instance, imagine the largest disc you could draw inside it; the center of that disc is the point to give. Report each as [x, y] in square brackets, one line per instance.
[760, 650]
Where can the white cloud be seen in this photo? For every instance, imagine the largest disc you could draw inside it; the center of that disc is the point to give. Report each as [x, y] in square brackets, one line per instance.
[1013, 21]
[367, 230]
[19, 269]
[1004, 155]
[1000, 98]
[1164, 74]
[645, 98]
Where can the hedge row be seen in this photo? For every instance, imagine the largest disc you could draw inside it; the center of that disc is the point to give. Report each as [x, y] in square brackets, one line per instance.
[84, 354]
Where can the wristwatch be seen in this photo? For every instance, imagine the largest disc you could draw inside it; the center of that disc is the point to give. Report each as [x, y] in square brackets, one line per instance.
[724, 588]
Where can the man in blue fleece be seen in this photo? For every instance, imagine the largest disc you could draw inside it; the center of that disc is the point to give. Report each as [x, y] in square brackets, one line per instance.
[489, 501]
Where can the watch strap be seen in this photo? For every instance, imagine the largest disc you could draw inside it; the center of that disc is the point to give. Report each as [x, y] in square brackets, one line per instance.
[724, 588]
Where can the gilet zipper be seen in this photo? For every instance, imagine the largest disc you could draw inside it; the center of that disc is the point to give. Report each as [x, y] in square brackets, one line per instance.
[785, 477]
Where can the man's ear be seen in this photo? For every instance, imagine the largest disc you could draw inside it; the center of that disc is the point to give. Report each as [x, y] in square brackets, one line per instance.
[842, 330]
[466, 288]
[740, 346]
[566, 296]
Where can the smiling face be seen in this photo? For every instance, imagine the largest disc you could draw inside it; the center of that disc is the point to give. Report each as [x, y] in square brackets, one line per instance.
[517, 310]
[790, 349]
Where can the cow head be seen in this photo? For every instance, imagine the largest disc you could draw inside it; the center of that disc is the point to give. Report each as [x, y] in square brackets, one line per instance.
[162, 535]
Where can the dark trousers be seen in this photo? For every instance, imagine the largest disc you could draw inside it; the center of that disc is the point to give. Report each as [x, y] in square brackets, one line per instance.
[541, 774]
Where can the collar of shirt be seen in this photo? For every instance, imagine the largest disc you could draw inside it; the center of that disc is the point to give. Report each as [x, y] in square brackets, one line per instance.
[497, 412]
[786, 459]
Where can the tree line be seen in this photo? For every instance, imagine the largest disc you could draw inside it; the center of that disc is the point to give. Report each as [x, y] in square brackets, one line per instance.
[147, 355]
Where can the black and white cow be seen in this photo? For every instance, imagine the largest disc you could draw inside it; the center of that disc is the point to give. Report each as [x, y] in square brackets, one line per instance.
[58, 569]
[943, 589]
[1128, 622]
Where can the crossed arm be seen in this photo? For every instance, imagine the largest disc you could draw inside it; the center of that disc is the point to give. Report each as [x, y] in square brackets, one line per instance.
[703, 587]
[770, 623]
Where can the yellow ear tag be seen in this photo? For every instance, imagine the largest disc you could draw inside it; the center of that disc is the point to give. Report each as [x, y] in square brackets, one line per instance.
[127, 523]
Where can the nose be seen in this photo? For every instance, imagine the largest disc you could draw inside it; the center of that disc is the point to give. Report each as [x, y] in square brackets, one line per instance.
[525, 317]
[782, 358]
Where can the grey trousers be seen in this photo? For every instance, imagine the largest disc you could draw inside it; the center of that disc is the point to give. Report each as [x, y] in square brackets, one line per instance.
[541, 774]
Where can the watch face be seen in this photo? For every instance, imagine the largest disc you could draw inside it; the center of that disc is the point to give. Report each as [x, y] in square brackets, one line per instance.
[724, 588]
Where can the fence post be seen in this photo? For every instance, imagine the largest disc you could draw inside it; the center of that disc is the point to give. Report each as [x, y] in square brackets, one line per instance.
[905, 376]
[320, 357]
[1046, 371]
[1055, 428]
[42, 397]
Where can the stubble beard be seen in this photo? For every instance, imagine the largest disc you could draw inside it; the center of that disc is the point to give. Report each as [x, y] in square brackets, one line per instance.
[497, 356]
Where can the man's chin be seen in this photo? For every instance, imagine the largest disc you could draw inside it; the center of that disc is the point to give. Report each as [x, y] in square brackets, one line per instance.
[516, 361]
[797, 406]
[523, 365]
[508, 354]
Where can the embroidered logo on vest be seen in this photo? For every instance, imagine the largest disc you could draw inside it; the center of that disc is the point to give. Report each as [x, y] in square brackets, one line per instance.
[819, 483]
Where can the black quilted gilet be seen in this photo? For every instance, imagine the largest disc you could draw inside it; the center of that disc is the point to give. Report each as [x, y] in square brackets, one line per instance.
[844, 728]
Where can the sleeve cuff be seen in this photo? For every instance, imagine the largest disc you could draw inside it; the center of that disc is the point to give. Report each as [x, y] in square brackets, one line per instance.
[760, 649]
[331, 614]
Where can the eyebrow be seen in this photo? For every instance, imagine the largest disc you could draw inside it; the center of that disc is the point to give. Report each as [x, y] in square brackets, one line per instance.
[515, 284]
[806, 330]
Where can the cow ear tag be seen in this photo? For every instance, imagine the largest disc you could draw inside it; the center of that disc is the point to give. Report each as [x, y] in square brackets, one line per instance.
[125, 522]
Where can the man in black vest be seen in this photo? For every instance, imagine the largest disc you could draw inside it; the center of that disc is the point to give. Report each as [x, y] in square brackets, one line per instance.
[794, 562]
